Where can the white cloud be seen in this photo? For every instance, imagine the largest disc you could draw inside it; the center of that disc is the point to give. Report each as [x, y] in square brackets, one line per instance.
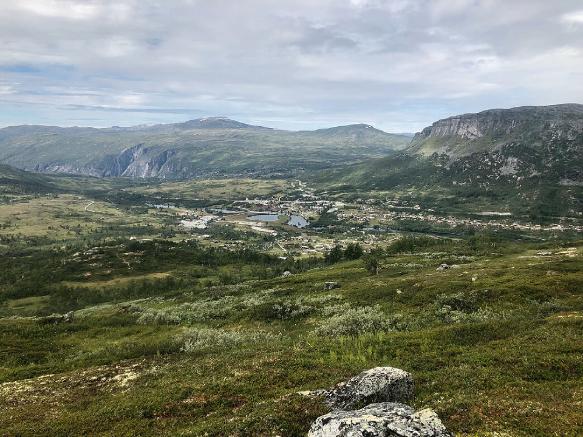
[575, 17]
[297, 62]
[6, 89]
[69, 9]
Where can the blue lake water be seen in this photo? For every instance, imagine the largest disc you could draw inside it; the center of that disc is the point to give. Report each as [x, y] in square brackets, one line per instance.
[294, 220]
[298, 221]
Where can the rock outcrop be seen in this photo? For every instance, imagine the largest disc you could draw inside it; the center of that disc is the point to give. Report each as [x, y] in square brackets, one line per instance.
[486, 131]
[379, 420]
[381, 384]
[331, 285]
[136, 161]
[371, 405]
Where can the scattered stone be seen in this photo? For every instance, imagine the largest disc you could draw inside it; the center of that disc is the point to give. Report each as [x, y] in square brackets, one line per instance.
[331, 285]
[442, 267]
[286, 274]
[58, 318]
[379, 420]
[381, 384]
[312, 393]
[571, 252]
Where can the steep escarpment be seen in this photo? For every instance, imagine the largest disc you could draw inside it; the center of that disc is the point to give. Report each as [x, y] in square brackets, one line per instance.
[528, 159]
[508, 144]
[136, 161]
[486, 131]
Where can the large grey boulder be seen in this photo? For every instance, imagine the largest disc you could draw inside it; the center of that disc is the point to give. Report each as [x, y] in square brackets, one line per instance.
[381, 384]
[379, 420]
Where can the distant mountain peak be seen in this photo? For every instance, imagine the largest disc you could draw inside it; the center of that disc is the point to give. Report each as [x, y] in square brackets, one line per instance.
[358, 127]
[213, 123]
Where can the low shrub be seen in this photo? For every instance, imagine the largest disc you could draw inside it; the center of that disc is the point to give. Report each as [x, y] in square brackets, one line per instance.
[356, 321]
[195, 340]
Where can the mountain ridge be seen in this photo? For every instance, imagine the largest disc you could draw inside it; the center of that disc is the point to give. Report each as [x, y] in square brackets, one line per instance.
[464, 134]
[528, 155]
[204, 147]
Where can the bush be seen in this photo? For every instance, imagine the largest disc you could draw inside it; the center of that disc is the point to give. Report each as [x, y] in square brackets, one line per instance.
[412, 244]
[353, 251]
[465, 307]
[356, 321]
[159, 317]
[285, 310]
[465, 302]
[335, 255]
[371, 264]
[195, 340]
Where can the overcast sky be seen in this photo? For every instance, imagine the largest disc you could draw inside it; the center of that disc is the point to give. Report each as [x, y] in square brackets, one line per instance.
[295, 64]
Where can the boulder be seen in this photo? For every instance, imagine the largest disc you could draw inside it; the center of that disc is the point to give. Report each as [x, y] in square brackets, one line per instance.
[331, 285]
[381, 384]
[443, 267]
[379, 420]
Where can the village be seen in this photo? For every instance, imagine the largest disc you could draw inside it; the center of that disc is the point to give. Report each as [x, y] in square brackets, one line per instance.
[303, 223]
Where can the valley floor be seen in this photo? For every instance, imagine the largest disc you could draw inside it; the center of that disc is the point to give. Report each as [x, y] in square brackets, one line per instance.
[115, 320]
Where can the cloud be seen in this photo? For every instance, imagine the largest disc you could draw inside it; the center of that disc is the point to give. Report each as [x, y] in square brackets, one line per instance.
[68, 9]
[399, 64]
[127, 109]
[575, 17]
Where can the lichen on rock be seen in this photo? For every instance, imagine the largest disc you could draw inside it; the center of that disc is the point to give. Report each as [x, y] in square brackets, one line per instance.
[380, 384]
[379, 420]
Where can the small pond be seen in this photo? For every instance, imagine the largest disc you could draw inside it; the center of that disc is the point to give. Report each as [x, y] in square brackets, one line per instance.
[294, 220]
[298, 221]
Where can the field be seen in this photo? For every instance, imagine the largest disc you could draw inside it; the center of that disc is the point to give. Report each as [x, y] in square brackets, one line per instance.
[114, 321]
[225, 189]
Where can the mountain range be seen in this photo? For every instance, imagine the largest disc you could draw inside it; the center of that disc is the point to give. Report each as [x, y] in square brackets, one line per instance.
[203, 147]
[527, 155]
[517, 145]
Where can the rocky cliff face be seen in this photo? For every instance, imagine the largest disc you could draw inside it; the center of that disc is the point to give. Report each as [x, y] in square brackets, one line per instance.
[489, 130]
[530, 158]
[137, 161]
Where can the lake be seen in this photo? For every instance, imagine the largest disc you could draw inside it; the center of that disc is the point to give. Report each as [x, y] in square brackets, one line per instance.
[294, 220]
[298, 221]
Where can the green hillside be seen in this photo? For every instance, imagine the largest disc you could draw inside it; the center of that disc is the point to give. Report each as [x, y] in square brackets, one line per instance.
[16, 181]
[204, 147]
[524, 160]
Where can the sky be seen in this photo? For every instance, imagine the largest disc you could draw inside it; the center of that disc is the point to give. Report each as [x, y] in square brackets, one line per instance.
[292, 64]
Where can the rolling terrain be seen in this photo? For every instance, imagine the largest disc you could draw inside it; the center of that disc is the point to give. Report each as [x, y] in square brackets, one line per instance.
[197, 148]
[134, 306]
[527, 159]
[13, 180]
[111, 325]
